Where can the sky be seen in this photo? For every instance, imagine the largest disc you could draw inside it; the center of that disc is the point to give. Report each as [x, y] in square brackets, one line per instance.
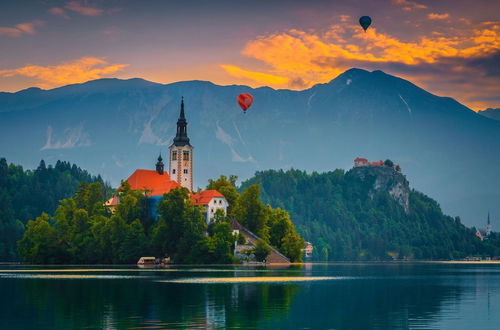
[449, 47]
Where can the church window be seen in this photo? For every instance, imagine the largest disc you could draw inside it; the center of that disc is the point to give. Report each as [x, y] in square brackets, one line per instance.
[173, 171]
[174, 155]
[185, 171]
[186, 155]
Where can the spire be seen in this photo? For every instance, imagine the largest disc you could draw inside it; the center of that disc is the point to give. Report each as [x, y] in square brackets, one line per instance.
[181, 138]
[182, 116]
[159, 165]
[489, 218]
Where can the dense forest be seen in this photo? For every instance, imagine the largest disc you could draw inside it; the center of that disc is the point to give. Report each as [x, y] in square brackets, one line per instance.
[347, 219]
[25, 194]
[83, 231]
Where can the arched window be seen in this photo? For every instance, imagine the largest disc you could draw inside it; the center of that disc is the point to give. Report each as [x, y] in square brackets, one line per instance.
[185, 154]
[174, 155]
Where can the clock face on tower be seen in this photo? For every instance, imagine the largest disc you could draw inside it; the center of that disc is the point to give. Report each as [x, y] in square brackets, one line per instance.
[186, 163]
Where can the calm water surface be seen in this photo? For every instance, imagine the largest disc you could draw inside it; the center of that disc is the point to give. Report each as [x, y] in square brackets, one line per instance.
[318, 296]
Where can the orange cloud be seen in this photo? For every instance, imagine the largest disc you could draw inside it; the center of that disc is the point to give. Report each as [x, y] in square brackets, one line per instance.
[296, 53]
[77, 71]
[408, 5]
[258, 77]
[438, 16]
[21, 29]
[319, 57]
[58, 12]
[82, 9]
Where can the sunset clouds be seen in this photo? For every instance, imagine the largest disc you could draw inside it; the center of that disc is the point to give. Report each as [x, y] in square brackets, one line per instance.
[449, 47]
[317, 57]
[21, 29]
[79, 7]
[77, 71]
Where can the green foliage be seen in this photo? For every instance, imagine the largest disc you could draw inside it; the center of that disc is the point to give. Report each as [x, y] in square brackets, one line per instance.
[272, 225]
[220, 244]
[345, 220]
[250, 212]
[282, 234]
[24, 194]
[184, 226]
[82, 231]
[39, 244]
[261, 250]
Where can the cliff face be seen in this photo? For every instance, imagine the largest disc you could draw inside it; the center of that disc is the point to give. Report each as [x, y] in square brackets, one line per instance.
[385, 179]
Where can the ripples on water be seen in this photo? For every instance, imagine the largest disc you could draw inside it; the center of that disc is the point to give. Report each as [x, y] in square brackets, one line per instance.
[339, 296]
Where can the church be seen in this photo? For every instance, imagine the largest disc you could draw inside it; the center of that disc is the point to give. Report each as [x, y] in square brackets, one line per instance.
[158, 182]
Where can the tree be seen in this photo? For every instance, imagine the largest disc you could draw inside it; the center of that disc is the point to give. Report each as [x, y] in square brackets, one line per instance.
[279, 225]
[184, 226]
[221, 244]
[39, 244]
[292, 245]
[250, 212]
[389, 163]
[261, 250]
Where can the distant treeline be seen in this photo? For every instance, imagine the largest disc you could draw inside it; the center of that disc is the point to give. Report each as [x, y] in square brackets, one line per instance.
[346, 220]
[25, 194]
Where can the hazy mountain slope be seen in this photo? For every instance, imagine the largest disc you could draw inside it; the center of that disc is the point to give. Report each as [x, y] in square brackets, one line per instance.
[490, 113]
[112, 127]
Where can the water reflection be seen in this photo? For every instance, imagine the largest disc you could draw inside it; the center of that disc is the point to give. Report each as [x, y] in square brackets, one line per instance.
[349, 297]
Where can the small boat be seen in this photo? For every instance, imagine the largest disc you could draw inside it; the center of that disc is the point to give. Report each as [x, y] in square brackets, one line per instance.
[148, 262]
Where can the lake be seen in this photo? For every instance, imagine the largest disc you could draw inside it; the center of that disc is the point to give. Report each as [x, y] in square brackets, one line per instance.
[310, 296]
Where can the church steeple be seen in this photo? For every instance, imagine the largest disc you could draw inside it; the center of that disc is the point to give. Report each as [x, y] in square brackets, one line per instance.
[180, 165]
[181, 138]
[159, 165]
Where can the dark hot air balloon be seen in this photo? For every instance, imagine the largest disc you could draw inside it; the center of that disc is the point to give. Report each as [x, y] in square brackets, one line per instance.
[365, 22]
[245, 101]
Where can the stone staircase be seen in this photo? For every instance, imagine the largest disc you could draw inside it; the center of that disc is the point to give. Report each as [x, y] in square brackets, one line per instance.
[274, 257]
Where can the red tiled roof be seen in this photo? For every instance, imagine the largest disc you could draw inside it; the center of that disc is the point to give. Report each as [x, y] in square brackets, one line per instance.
[379, 163]
[361, 159]
[204, 197]
[158, 184]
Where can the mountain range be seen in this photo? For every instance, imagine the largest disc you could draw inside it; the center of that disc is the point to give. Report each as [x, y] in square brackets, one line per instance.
[112, 126]
[490, 113]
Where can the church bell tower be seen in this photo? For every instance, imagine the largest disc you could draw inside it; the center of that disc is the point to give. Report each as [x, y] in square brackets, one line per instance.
[181, 154]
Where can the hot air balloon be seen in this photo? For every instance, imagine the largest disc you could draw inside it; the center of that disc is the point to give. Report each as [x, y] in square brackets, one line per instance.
[365, 22]
[245, 101]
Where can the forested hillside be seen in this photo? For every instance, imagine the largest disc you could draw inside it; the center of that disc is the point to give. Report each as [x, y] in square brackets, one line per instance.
[25, 194]
[351, 216]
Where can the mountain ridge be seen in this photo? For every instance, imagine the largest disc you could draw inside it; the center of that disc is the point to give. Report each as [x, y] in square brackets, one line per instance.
[114, 126]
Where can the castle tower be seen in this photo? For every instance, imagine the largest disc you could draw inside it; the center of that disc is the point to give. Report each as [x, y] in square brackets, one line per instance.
[181, 154]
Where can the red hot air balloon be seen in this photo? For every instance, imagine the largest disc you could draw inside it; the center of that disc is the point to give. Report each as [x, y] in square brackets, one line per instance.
[245, 101]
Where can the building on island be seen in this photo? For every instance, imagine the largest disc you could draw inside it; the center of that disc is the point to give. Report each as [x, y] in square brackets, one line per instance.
[307, 250]
[156, 183]
[483, 233]
[211, 201]
[359, 162]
